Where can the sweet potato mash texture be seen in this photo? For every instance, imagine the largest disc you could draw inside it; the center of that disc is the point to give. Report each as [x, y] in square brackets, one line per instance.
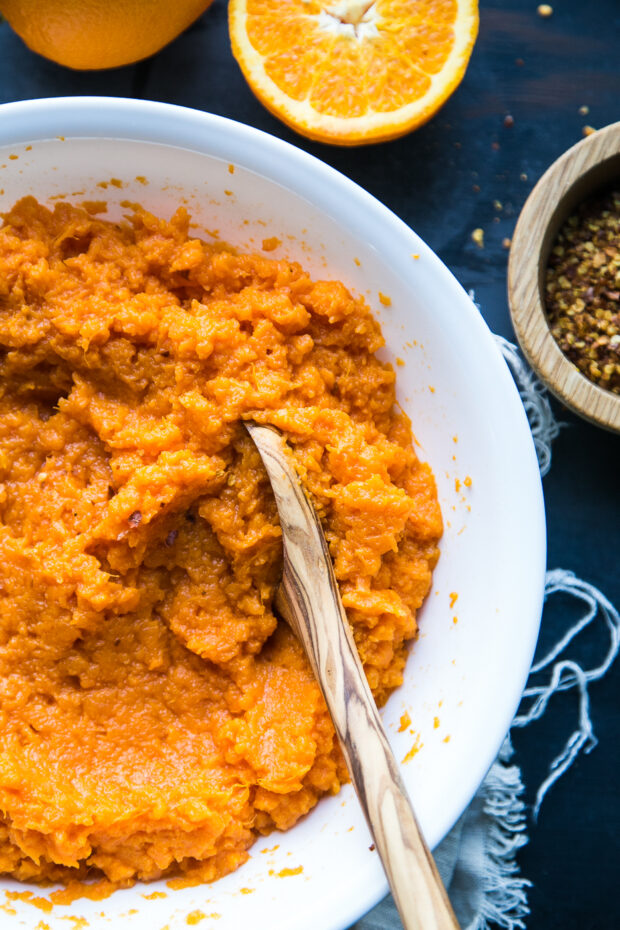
[155, 716]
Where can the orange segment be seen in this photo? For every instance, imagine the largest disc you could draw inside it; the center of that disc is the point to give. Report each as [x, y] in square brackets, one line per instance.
[286, 7]
[399, 83]
[290, 48]
[436, 11]
[334, 91]
[353, 71]
[269, 34]
[427, 44]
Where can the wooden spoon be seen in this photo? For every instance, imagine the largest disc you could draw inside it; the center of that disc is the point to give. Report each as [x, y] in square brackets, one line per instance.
[309, 600]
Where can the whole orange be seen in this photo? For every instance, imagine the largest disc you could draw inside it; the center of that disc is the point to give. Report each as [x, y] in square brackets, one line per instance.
[93, 34]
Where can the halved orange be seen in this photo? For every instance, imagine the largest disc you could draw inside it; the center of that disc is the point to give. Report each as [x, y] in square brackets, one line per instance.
[353, 71]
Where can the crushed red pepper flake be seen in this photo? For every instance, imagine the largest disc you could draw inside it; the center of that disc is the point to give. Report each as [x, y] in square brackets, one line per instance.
[582, 290]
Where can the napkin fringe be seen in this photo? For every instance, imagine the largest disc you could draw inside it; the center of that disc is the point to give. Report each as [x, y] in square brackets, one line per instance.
[503, 901]
[567, 674]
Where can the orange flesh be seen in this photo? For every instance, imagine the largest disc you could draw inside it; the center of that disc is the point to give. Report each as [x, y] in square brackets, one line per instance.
[155, 717]
[383, 74]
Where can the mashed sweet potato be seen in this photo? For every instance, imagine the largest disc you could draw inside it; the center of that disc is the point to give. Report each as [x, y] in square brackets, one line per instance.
[154, 714]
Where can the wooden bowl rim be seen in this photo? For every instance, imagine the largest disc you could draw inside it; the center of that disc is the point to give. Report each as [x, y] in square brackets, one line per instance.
[527, 310]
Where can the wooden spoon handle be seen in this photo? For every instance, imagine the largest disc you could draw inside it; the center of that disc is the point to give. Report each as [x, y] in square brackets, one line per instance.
[310, 602]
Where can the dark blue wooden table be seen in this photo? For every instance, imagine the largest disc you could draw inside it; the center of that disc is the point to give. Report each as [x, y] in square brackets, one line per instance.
[444, 181]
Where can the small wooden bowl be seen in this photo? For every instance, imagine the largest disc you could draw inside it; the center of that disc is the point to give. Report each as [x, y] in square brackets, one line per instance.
[585, 168]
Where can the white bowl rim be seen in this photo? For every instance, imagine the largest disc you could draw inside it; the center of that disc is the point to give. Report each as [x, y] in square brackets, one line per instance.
[130, 119]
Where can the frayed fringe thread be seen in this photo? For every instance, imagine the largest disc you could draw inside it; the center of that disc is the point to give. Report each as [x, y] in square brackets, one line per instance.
[504, 898]
[545, 428]
[503, 902]
[504, 892]
[567, 674]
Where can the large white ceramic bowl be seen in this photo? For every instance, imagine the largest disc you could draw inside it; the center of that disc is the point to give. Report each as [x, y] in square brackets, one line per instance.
[466, 672]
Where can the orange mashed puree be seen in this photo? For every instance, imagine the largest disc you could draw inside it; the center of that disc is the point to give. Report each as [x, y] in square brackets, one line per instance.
[155, 716]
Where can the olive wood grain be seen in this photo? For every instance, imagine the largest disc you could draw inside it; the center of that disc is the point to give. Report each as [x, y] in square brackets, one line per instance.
[309, 600]
[585, 168]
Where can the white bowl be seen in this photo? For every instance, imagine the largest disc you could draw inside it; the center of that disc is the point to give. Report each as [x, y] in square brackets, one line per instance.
[464, 679]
